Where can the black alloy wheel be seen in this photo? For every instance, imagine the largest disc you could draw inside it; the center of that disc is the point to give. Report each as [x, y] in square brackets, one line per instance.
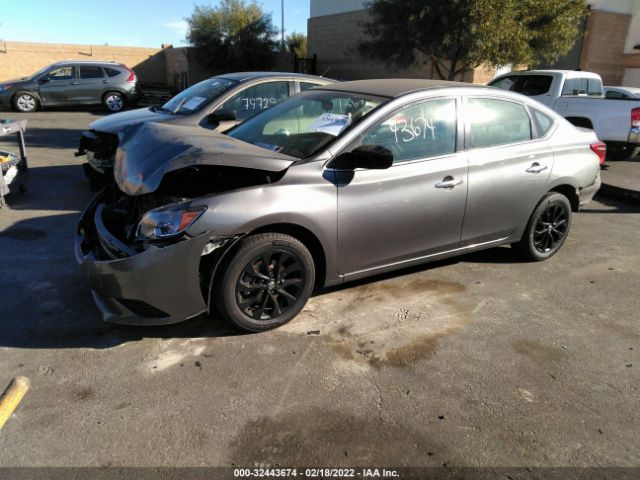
[270, 285]
[264, 283]
[547, 229]
[551, 228]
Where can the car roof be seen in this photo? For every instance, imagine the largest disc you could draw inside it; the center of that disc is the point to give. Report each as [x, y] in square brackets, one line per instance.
[246, 76]
[393, 87]
[96, 62]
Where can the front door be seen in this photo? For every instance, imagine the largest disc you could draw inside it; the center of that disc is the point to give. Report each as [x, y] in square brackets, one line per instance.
[416, 207]
[57, 86]
[508, 169]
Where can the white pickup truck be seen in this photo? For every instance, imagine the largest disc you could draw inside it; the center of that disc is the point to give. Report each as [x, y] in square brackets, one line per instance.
[578, 96]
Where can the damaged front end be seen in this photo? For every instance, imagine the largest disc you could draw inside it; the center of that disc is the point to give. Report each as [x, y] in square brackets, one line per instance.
[100, 150]
[146, 245]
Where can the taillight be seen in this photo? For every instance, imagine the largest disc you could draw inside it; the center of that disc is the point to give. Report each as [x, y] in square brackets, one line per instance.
[635, 118]
[599, 149]
[132, 75]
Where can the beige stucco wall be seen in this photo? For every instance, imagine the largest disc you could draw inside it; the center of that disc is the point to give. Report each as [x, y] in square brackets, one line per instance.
[19, 59]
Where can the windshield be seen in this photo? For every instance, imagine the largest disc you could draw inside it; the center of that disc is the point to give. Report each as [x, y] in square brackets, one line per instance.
[196, 97]
[307, 122]
[39, 72]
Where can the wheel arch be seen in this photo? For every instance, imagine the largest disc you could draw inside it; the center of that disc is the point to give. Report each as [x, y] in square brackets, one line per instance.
[570, 192]
[309, 240]
[30, 92]
[210, 264]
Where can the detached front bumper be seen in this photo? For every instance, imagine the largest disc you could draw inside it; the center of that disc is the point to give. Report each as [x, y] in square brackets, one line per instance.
[158, 286]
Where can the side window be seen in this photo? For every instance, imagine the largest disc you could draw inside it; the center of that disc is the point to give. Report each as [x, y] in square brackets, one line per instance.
[418, 131]
[61, 73]
[544, 122]
[496, 122]
[90, 71]
[307, 85]
[254, 99]
[112, 72]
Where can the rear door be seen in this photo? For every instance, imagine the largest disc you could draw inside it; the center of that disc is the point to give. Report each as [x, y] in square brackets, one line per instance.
[416, 207]
[253, 99]
[92, 83]
[508, 168]
[58, 85]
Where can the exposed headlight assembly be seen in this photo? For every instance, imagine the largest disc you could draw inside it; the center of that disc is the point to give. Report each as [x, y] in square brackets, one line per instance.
[167, 222]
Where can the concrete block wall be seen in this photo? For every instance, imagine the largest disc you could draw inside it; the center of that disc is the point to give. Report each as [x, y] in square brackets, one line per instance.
[19, 59]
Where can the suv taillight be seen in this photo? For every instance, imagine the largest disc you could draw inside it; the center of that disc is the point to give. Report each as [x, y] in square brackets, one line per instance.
[635, 118]
[600, 149]
[132, 75]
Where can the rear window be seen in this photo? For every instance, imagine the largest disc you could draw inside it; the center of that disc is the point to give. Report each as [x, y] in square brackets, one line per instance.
[90, 71]
[582, 87]
[496, 122]
[112, 72]
[307, 85]
[530, 85]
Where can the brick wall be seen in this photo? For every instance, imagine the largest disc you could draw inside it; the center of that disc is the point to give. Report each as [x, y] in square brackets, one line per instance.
[604, 43]
[333, 38]
[19, 59]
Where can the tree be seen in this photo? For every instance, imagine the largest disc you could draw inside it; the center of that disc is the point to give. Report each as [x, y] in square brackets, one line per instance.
[460, 35]
[232, 36]
[297, 44]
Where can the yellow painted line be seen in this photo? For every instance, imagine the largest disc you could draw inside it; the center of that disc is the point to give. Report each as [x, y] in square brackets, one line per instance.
[12, 397]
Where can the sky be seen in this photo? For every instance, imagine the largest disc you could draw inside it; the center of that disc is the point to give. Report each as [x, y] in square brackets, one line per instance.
[139, 23]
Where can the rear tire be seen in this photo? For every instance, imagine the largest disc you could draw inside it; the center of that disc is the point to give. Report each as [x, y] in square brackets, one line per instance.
[265, 283]
[113, 102]
[547, 229]
[25, 102]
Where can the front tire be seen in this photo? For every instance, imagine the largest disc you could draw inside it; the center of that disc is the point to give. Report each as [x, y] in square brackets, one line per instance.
[25, 102]
[113, 102]
[547, 229]
[266, 283]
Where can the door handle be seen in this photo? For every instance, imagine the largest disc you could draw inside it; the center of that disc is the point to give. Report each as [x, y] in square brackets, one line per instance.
[449, 182]
[73, 83]
[536, 168]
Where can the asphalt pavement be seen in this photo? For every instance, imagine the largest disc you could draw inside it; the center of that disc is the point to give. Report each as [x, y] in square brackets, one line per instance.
[477, 361]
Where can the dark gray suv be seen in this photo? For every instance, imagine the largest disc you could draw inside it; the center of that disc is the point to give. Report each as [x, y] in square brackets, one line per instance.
[72, 83]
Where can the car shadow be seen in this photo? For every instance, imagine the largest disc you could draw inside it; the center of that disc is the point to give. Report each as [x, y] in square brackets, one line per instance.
[612, 206]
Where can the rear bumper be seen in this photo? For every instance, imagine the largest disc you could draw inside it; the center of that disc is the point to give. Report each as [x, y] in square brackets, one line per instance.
[634, 136]
[160, 285]
[586, 194]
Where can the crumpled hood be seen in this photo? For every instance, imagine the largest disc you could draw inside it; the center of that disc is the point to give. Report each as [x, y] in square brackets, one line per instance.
[150, 150]
[114, 123]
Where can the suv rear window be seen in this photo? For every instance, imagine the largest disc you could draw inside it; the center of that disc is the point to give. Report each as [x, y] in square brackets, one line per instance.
[530, 85]
[112, 72]
[91, 71]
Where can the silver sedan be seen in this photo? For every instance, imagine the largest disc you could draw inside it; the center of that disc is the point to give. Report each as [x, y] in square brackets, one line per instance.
[335, 184]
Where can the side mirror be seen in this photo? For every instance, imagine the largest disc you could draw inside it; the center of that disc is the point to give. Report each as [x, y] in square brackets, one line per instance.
[221, 115]
[371, 157]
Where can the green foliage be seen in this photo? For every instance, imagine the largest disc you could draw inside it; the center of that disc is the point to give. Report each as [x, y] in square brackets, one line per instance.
[460, 35]
[297, 43]
[232, 36]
